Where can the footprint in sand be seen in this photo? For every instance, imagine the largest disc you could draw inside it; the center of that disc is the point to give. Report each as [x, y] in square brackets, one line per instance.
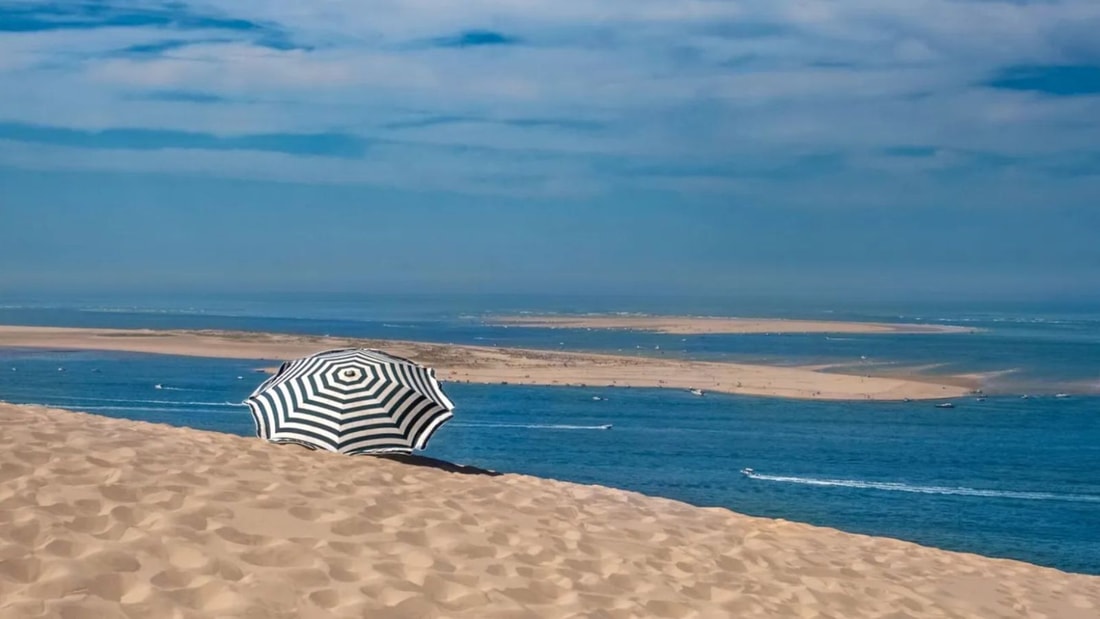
[10, 471]
[187, 557]
[172, 579]
[236, 536]
[309, 514]
[119, 493]
[24, 570]
[211, 598]
[88, 506]
[92, 525]
[279, 554]
[22, 534]
[356, 525]
[113, 561]
[62, 548]
[325, 598]
[111, 586]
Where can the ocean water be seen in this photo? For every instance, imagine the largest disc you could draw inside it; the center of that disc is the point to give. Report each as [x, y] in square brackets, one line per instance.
[1008, 476]
[1024, 350]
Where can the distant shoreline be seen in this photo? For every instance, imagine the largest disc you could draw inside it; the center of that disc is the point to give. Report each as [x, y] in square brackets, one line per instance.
[490, 365]
[699, 325]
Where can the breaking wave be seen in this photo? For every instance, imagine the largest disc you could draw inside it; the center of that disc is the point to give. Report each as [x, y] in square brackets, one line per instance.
[123, 401]
[532, 426]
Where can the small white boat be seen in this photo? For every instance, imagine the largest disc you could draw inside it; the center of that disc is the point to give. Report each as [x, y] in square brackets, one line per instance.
[747, 472]
[696, 391]
[1061, 396]
[597, 398]
[605, 426]
[945, 405]
[158, 386]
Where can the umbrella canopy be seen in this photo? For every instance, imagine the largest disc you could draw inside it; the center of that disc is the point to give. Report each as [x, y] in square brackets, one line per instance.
[351, 401]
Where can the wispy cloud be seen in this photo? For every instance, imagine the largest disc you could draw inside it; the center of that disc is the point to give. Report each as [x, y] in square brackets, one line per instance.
[476, 38]
[551, 93]
[1065, 80]
[184, 96]
[36, 16]
[325, 145]
[565, 124]
[910, 151]
[158, 47]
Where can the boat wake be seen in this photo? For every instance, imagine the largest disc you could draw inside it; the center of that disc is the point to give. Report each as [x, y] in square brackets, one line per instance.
[531, 426]
[945, 490]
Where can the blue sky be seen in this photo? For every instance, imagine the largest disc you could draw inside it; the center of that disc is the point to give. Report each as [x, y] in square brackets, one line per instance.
[842, 147]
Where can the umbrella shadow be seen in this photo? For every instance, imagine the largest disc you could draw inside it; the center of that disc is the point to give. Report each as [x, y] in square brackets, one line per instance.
[442, 465]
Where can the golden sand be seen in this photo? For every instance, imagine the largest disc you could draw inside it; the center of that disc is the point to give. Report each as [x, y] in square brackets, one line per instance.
[103, 518]
[482, 364]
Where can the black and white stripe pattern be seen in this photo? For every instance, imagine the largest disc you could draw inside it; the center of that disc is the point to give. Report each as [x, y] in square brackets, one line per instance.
[351, 401]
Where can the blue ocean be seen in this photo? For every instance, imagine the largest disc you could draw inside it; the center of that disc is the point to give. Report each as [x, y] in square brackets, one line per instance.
[1008, 476]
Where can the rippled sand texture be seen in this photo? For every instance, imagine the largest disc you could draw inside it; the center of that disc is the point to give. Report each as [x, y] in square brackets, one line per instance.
[110, 518]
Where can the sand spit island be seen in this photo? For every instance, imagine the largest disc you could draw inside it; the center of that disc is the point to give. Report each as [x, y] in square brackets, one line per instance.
[698, 325]
[481, 364]
[110, 518]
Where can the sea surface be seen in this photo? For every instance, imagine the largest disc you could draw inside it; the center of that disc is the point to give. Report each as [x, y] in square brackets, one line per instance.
[1007, 476]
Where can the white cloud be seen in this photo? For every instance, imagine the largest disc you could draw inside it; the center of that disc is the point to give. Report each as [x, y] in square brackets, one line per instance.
[702, 83]
[390, 165]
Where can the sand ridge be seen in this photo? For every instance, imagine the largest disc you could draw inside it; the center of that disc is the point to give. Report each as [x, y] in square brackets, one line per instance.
[484, 364]
[110, 518]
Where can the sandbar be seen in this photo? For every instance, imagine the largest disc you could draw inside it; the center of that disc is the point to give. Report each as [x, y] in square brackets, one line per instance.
[698, 325]
[484, 364]
[110, 518]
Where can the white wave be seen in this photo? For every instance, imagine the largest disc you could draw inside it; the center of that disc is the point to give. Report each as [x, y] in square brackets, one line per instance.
[139, 401]
[191, 311]
[152, 409]
[948, 490]
[532, 426]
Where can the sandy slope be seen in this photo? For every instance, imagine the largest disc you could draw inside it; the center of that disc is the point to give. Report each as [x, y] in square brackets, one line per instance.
[480, 364]
[103, 518]
[707, 324]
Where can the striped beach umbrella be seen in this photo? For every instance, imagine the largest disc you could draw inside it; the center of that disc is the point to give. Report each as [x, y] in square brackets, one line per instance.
[351, 401]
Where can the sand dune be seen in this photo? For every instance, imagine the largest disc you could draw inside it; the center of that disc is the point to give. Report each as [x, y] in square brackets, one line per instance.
[696, 325]
[104, 518]
[483, 364]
